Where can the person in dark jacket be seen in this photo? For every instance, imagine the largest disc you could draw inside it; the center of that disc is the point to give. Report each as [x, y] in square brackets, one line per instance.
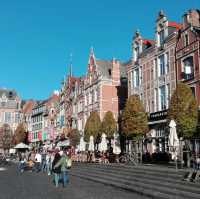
[56, 170]
[63, 163]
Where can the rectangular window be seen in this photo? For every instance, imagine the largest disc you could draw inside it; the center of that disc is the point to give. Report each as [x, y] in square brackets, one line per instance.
[188, 68]
[136, 77]
[162, 65]
[162, 98]
[168, 94]
[155, 99]
[193, 91]
[186, 40]
[155, 69]
[167, 62]
[132, 79]
[7, 117]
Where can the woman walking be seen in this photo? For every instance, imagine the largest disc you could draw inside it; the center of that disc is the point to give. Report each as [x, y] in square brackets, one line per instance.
[56, 170]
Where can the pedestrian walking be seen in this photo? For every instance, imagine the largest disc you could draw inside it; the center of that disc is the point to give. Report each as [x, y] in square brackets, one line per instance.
[38, 161]
[56, 170]
[64, 163]
[22, 163]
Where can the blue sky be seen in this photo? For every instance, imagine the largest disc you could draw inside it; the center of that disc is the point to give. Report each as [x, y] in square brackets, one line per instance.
[37, 37]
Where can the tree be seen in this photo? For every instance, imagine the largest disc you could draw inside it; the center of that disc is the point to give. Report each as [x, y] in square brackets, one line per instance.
[74, 137]
[134, 118]
[135, 124]
[108, 125]
[20, 134]
[183, 109]
[6, 137]
[92, 126]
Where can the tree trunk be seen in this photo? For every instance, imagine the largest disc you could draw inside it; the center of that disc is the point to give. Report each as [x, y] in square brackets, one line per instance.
[187, 142]
[141, 151]
[137, 151]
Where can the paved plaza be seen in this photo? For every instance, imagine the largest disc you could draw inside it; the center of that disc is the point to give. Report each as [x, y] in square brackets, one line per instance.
[30, 185]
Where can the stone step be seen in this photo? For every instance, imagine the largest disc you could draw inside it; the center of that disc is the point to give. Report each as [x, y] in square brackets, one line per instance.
[143, 176]
[139, 167]
[135, 189]
[136, 170]
[150, 190]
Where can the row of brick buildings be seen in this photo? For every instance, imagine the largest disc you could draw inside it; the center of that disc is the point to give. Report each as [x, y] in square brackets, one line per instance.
[152, 73]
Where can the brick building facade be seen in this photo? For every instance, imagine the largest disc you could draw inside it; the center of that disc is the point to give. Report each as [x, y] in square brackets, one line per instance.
[99, 90]
[188, 52]
[10, 108]
[152, 76]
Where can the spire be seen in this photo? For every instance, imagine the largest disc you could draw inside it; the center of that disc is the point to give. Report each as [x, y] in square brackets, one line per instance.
[91, 61]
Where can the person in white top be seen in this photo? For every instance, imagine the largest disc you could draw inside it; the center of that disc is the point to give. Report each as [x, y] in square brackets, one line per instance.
[38, 160]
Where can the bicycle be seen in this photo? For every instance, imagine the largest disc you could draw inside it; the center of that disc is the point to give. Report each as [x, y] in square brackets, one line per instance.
[128, 158]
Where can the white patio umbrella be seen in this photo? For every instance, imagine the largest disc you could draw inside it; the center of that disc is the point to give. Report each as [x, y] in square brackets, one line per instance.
[116, 144]
[82, 144]
[21, 146]
[103, 145]
[91, 144]
[173, 141]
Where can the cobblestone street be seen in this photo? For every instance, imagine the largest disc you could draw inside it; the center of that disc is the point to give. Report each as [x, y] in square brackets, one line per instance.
[39, 186]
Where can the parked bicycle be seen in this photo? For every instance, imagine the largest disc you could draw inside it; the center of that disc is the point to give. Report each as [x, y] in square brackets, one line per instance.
[128, 158]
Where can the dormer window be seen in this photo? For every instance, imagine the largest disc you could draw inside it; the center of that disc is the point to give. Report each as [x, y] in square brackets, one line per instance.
[161, 37]
[10, 94]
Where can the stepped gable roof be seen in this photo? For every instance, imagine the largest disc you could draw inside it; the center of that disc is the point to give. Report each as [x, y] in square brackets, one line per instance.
[175, 25]
[11, 94]
[28, 106]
